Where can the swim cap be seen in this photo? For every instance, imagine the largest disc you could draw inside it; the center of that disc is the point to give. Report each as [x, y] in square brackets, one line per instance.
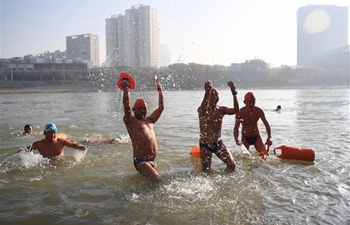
[50, 127]
[248, 96]
[213, 90]
[125, 76]
[140, 103]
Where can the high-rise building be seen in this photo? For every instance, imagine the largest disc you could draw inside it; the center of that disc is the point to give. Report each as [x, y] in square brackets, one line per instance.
[133, 39]
[320, 29]
[84, 47]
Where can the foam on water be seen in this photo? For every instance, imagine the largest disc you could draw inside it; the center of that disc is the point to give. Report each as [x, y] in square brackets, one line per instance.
[23, 160]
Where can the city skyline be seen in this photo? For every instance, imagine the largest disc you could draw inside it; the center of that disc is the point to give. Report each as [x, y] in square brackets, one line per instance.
[133, 39]
[204, 32]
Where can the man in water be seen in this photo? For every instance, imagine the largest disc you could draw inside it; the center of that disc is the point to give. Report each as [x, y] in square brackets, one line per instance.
[28, 129]
[248, 117]
[210, 124]
[117, 140]
[52, 146]
[141, 131]
[278, 109]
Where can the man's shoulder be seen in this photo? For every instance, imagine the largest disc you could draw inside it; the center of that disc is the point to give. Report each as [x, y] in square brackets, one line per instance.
[39, 141]
[244, 108]
[258, 109]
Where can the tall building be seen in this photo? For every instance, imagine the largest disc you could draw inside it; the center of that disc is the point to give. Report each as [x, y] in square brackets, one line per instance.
[320, 29]
[84, 47]
[133, 39]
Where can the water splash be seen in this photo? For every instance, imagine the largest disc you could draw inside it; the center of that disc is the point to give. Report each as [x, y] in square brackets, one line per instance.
[23, 160]
[79, 155]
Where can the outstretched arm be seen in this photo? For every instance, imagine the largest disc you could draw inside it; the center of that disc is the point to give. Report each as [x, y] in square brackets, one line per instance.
[73, 145]
[34, 146]
[126, 101]
[158, 112]
[203, 108]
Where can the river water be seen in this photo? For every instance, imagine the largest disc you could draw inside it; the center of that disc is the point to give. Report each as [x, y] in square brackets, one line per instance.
[101, 186]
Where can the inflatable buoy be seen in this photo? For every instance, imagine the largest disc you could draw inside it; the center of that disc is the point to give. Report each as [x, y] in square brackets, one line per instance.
[296, 153]
[195, 151]
[63, 136]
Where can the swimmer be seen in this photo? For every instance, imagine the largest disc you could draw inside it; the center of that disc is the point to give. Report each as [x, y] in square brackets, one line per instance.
[141, 130]
[278, 109]
[210, 123]
[28, 129]
[249, 116]
[52, 146]
[116, 140]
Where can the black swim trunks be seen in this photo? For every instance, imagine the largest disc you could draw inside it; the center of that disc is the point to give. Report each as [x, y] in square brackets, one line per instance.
[212, 148]
[251, 140]
[136, 161]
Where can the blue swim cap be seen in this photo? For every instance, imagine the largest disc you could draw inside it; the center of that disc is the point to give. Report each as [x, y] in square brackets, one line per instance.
[50, 127]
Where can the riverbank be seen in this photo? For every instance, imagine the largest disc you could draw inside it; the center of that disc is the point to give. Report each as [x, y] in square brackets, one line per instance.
[8, 87]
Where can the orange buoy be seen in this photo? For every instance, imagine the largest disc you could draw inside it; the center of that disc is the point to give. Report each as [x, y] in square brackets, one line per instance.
[63, 136]
[296, 153]
[195, 151]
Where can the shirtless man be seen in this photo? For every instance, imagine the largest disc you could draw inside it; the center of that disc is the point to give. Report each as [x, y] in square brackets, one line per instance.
[141, 131]
[52, 147]
[210, 123]
[248, 117]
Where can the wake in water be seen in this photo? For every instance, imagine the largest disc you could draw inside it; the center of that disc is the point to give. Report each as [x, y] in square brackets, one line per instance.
[26, 160]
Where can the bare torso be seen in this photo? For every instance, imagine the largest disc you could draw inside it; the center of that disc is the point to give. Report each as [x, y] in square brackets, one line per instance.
[50, 148]
[143, 138]
[249, 118]
[210, 125]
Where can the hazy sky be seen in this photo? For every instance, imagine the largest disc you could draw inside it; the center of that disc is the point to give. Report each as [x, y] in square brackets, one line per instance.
[200, 31]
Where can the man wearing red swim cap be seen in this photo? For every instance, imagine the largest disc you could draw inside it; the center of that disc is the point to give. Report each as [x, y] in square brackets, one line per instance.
[141, 131]
[210, 123]
[249, 116]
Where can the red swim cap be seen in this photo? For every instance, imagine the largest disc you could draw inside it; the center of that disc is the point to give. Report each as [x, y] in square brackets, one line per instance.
[213, 90]
[140, 103]
[248, 96]
[127, 76]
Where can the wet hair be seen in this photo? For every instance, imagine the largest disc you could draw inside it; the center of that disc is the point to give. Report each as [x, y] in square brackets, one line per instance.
[27, 125]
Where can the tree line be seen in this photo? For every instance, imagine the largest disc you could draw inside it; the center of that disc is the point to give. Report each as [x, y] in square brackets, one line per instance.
[189, 76]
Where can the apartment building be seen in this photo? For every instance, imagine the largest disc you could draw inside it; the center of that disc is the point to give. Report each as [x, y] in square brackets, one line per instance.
[133, 39]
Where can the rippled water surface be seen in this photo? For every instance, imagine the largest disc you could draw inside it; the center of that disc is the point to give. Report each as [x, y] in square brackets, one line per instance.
[101, 186]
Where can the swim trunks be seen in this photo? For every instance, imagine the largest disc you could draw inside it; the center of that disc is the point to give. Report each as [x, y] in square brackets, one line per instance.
[136, 161]
[251, 140]
[212, 148]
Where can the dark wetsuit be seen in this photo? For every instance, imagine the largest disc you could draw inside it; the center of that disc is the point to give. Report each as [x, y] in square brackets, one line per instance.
[212, 148]
[251, 140]
[136, 161]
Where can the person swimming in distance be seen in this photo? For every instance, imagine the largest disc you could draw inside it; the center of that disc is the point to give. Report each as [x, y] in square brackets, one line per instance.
[52, 146]
[278, 109]
[28, 129]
